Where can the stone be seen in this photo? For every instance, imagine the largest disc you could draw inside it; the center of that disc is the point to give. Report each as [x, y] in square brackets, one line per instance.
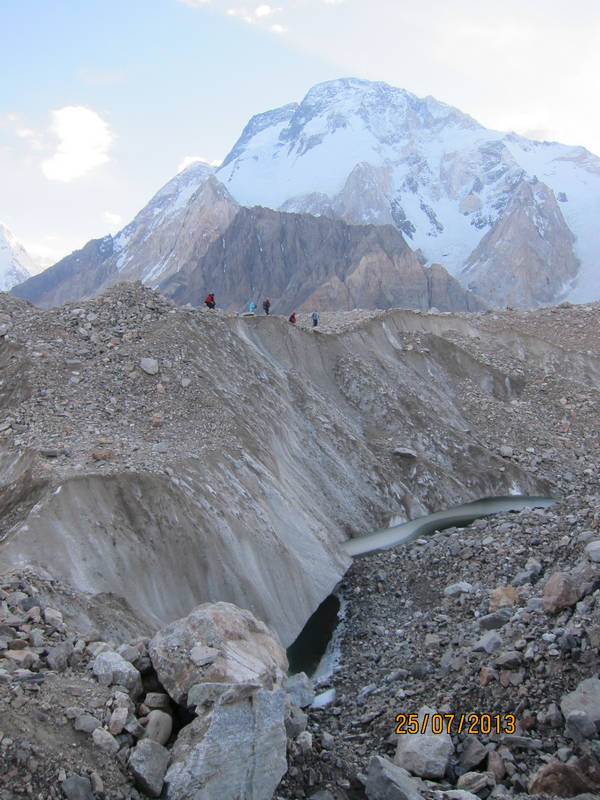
[585, 698]
[148, 764]
[495, 765]
[111, 668]
[424, 754]
[458, 588]
[495, 620]
[149, 366]
[579, 726]
[245, 650]
[304, 740]
[592, 550]
[510, 659]
[86, 723]
[159, 726]
[295, 721]
[561, 591]
[58, 656]
[53, 617]
[475, 782]
[489, 642]
[386, 781]
[473, 753]
[327, 741]
[77, 788]
[117, 721]
[157, 700]
[105, 741]
[299, 689]
[561, 780]
[234, 750]
[503, 596]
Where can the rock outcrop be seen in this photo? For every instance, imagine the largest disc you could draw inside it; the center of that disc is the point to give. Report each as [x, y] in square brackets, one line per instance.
[527, 258]
[303, 262]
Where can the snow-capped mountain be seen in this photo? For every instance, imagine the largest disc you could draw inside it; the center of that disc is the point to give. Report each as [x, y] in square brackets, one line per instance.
[513, 220]
[367, 152]
[15, 263]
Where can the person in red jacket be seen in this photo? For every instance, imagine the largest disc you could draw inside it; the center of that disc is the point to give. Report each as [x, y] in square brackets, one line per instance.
[210, 300]
[293, 317]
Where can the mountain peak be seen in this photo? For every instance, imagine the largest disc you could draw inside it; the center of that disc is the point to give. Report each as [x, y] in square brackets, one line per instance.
[15, 262]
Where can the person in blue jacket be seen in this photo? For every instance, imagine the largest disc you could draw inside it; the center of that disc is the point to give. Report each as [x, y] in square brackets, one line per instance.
[252, 306]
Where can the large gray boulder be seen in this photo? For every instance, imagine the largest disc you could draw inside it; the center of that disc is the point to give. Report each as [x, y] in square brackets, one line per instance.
[216, 643]
[233, 750]
[148, 764]
[386, 781]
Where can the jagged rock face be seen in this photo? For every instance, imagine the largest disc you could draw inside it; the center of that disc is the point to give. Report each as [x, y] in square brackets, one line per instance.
[527, 259]
[302, 262]
[15, 262]
[79, 274]
[178, 224]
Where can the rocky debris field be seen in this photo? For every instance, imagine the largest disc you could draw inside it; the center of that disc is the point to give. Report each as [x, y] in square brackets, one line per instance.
[497, 624]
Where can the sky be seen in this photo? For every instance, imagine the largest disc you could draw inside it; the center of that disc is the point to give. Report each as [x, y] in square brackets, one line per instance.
[103, 101]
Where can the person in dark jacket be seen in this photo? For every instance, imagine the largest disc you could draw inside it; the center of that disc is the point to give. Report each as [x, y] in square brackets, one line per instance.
[266, 305]
[210, 300]
[315, 319]
[293, 317]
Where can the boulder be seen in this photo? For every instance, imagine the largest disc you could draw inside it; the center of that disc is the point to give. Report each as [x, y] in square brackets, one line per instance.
[585, 698]
[424, 754]
[561, 591]
[386, 781]
[77, 788]
[299, 689]
[111, 668]
[561, 780]
[234, 750]
[148, 764]
[216, 643]
[592, 550]
[473, 753]
[159, 726]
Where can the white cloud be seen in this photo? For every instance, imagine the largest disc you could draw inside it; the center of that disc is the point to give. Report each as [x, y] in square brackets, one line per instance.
[243, 14]
[260, 13]
[333, 2]
[265, 11]
[84, 141]
[112, 220]
[189, 160]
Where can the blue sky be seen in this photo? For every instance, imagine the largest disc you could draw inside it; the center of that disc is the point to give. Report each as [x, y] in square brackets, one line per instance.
[102, 102]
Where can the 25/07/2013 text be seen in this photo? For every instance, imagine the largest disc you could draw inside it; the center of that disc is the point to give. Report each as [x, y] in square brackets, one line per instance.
[456, 723]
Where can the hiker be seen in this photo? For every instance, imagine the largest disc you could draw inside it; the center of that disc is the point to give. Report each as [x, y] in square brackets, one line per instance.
[315, 319]
[293, 317]
[210, 300]
[266, 305]
[252, 306]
